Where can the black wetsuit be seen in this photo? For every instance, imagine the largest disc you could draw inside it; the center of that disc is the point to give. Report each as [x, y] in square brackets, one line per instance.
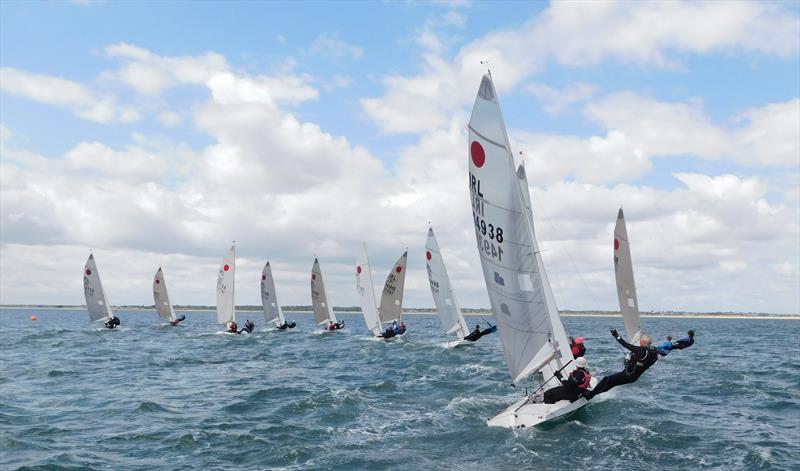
[639, 360]
[474, 335]
[685, 342]
[179, 320]
[112, 323]
[248, 327]
[569, 389]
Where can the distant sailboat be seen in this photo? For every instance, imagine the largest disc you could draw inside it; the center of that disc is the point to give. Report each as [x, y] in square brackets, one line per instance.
[391, 296]
[273, 312]
[443, 295]
[226, 280]
[96, 301]
[323, 312]
[531, 332]
[626, 288]
[161, 298]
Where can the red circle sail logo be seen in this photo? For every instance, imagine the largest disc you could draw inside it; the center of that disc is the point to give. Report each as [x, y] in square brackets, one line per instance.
[226, 268]
[88, 272]
[263, 277]
[358, 270]
[313, 276]
[477, 153]
[428, 255]
[158, 282]
[616, 244]
[398, 269]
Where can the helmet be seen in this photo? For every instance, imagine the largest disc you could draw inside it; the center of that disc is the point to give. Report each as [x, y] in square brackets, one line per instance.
[579, 340]
[581, 362]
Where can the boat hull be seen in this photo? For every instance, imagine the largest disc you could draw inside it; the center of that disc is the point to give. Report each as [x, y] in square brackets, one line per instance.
[529, 414]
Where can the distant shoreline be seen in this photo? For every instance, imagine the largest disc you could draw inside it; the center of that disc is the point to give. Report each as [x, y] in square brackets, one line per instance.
[429, 311]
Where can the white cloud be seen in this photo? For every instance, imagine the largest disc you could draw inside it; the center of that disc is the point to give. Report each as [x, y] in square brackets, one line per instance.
[151, 74]
[169, 118]
[332, 46]
[64, 93]
[556, 100]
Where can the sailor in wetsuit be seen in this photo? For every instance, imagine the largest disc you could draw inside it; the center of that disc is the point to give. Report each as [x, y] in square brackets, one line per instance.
[335, 326]
[248, 327]
[287, 325]
[573, 387]
[402, 328]
[475, 334]
[665, 346]
[685, 342]
[178, 320]
[577, 347]
[112, 322]
[233, 328]
[640, 359]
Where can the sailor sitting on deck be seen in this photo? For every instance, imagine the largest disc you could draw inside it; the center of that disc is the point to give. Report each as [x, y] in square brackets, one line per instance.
[402, 328]
[233, 328]
[335, 326]
[112, 322]
[685, 342]
[178, 320]
[665, 346]
[640, 359]
[287, 325]
[578, 349]
[571, 388]
[249, 326]
[390, 331]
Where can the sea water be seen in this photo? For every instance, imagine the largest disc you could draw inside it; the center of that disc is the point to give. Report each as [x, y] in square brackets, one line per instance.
[149, 396]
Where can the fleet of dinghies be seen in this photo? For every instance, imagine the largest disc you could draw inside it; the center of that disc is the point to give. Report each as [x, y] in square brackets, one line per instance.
[532, 336]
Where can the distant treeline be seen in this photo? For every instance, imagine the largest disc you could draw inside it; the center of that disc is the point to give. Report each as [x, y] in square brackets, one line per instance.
[477, 311]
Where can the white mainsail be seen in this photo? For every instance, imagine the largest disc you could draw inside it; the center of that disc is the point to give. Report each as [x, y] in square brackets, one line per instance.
[96, 301]
[392, 295]
[443, 295]
[531, 332]
[366, 292]
[323, 312]
[626, 288]
[161, 298]
[269, 297]
[226, 311]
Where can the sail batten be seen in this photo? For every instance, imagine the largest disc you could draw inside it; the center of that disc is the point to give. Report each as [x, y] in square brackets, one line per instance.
[323, 311]
[161, 297]
[269, 297]
[366, 292]
[96, 301]
[442, 291]
[530, 328]
[626, 287]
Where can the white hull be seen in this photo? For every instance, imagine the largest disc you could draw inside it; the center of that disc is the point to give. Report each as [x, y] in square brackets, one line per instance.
[525, 414]
[458, 343]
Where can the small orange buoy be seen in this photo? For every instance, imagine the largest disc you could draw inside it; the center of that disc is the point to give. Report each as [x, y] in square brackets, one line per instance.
[34, 318]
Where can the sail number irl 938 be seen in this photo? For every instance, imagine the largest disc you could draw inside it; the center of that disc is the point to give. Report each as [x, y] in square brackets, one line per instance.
[489, 238]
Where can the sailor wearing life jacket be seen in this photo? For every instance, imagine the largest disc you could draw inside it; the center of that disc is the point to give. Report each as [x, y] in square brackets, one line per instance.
[642, 357]
[573, 387]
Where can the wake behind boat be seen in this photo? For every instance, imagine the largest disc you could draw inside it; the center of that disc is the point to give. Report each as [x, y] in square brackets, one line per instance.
[96, 301]
[533, 338]
[445, 298]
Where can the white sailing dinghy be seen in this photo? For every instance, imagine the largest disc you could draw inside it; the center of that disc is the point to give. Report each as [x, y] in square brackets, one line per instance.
[273, 313]
[443, 295]
[323, 312]
[96, 301]
[531, 333]
[161, 298]
[366, 293]
[626, 288]
[226, 285]
[392, 295]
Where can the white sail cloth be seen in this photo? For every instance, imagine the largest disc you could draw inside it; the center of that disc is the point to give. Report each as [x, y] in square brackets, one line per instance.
[269, 297]
[392, 295]
[443, 295]
[626, 288]
[96, 302]
[161, 297]
[530, 328]
[226, 311]
[323, 312]
[366, 292]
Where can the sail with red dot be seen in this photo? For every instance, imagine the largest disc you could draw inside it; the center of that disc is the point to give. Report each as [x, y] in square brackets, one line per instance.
[323, 312]
[443, 295]
[96, 302]
[392, 295]
[626, 287]
[366, 292]
[161, 298]
[269, 297]
[226, 311]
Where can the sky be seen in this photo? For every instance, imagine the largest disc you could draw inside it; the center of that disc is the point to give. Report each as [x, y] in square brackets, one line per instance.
[155, 134]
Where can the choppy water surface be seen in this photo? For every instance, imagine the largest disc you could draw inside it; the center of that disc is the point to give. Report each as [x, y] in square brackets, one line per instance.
[156, 397]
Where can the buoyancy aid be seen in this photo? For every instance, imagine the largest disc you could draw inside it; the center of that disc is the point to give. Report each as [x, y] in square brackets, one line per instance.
[587, 378]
